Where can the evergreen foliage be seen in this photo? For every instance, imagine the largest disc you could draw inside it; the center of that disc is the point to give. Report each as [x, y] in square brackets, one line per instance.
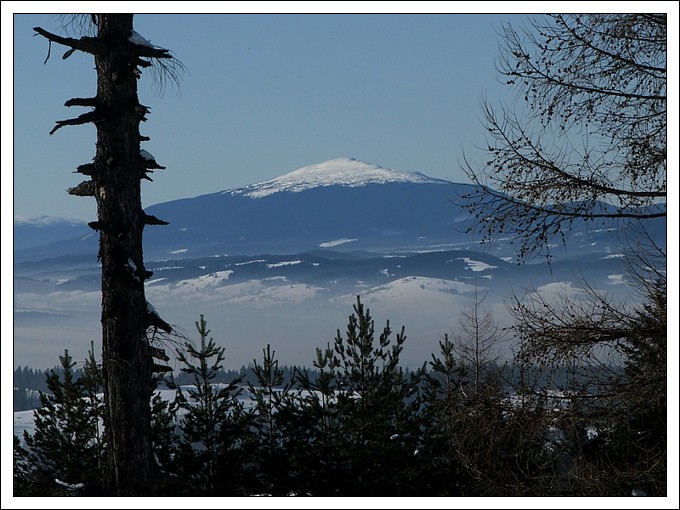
[165, 442]
[440, 396]
[365, 409]
[67, 445]
[211, 414]
[271, 398]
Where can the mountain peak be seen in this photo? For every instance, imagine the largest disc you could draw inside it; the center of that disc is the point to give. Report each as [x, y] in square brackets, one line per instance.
[348, 172]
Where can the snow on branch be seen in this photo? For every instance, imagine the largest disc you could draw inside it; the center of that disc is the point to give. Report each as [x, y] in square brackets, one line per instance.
[149, 160]
[144, 48]
[155, 319]
[70, 486]
[146, 155]
[137, 39]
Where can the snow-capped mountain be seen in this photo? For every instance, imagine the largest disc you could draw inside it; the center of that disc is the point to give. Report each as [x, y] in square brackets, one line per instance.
[347, 172]
[344, 204]
[341, 204]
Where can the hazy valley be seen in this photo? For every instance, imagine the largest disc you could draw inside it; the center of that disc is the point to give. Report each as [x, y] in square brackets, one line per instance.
[281, 263]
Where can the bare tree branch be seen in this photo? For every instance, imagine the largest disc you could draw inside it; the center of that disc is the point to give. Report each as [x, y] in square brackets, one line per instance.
[90, 45]
[81, 119]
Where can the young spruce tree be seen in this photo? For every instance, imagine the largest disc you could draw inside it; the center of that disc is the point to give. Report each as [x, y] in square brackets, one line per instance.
[273, 399]
[212, 414]
[375, 400]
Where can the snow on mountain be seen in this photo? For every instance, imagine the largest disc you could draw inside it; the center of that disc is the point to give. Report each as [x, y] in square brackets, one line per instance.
[45, 221]
[342, 204]
[337, 242]
[213, 290]
[135, 38]
[33, 231]
[476, 265]
[335, 172]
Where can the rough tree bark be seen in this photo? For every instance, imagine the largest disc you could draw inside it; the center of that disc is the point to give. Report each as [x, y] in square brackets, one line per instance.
[115, 177]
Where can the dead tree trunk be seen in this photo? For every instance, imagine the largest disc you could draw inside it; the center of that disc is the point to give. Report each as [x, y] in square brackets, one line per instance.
[115, 175]
[125, 353]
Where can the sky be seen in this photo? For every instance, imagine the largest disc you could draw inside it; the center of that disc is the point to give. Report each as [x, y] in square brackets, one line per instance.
[264, 95]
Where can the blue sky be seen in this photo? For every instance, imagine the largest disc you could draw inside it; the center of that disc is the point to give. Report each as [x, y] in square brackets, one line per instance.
[265, 95]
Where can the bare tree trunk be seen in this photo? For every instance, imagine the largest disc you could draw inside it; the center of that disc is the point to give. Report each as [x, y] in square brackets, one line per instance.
[125, 351]
[115, 177]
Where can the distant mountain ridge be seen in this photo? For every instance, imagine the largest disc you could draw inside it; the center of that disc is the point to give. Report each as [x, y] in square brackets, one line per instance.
[45, 221]
[343, 203]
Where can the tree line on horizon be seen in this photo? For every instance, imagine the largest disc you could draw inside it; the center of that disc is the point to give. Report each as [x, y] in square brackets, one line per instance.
[29, 382]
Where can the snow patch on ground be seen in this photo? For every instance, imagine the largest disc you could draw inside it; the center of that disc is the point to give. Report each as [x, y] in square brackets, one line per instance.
[155, 281]
[209, 280]
[555, 290]
[215, 289]
[24, 420]
[412, 288]
[250, 262]
[284, 263]
[476, 265]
